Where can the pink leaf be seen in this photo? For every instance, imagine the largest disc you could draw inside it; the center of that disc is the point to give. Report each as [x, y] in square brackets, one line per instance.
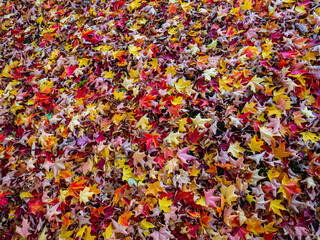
[23, 231]
[183, 155]
[210, 199]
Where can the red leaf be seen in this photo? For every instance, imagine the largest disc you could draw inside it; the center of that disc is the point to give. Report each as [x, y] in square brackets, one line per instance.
[3, 199]
[145, 101]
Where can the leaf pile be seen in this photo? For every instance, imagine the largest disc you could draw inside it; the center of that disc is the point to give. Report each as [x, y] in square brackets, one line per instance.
[159, 119]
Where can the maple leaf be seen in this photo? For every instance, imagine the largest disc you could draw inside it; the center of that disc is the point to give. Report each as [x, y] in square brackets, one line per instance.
[280, 152]
[118, 228]
[289, 54]
[162, 234]
[154, 188]
[309, 136]
[177, 101]
[124, 218]
[85, 194]
[275, 206]
[108, 232]
[255, 83]
[23, 230]
[183, 155]
[143, 122]
[3, 199]
[181, 85]
[208, 73]
[247, 5]
[134, 50]
[6, 72]
[235, 149]
[108, 74]
[228, 194]
[186, 6]
[269, 228]
[138, 158]
[173, 138]
[289, 187]
[146, 225]
[210, 199]
[255, 144]
[164, 204]
[193, 171]
[150, 139]
[267, 134]
[199, 122]
[35, 205]
[145, 101]
[254, 226]
[205, 219]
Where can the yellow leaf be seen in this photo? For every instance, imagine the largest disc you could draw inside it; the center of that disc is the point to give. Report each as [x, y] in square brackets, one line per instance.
[269, 228]
[54, 54]
[275, 206]
[181, 85]
[65, 234]
[200, 122]
[267, 134]
[273, 173]
[143, 122]
[186, 6]
[181, 124]
[235, 149]
[250, 198]
[83, 62]
[25, 194]
[301, 9]
[88, 235]
[171, 70]
[146, 225]
[39, 20]
[193, 171]
[135, 4]
[154, 188]
[108, 232]
[173, 137]
[109, 74]
[309, 136]
[228, 194]
[81, 231]
[6, 71]
[164, 204]
[249, 107]
[127, 173]
[201, 201]
[118, 95]
[85, 194]
[255, 144]
[310, 56]
[254, 226]
[177, 100]
[247, 5]
[172, 31]
[134, 50]
[154, 64]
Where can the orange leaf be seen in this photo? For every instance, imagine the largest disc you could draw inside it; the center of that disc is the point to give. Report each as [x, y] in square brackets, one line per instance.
[124, 218]
[280, 152]
[154, 188]
[254, 226]
[205, 219]
[289, 187]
